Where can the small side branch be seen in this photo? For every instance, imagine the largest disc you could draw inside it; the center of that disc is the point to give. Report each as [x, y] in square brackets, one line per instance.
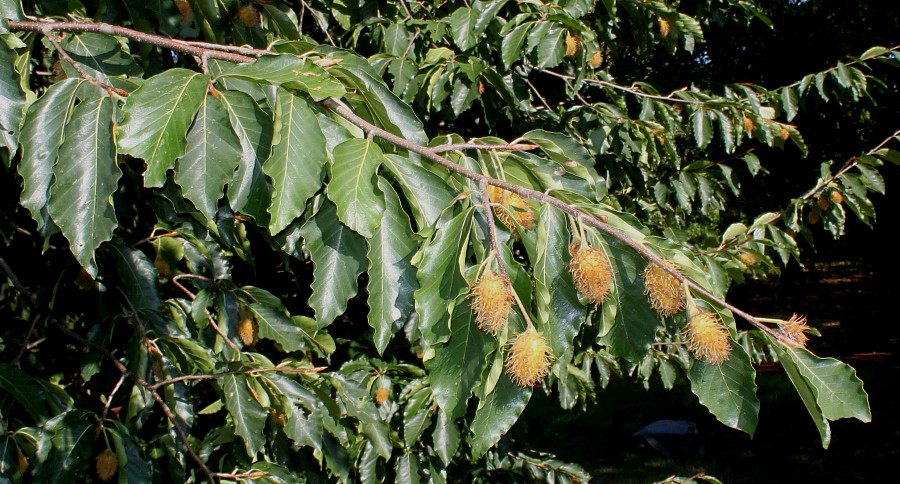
[474, 146]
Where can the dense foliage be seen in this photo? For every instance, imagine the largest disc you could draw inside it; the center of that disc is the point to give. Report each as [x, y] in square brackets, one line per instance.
[213, 270]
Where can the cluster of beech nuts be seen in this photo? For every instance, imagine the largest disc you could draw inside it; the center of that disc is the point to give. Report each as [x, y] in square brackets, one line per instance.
[530, 356]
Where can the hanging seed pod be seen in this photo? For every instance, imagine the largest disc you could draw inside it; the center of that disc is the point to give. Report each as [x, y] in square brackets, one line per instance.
[529, 359]
[492, 302]
[596, 59]
[663, 27]
[748, 124]
[591, 273]
[665, 292]
[511, 203]
[747, 258]
[248, 329]
[248, 15]
[107, 465]
[836, 197]
[794, 331]
[708, 338]
[823, 204]
[571, 45]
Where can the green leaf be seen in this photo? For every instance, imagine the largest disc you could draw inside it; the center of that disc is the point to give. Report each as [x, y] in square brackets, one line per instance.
[86, 177]
[629, 324]
[407, 468]
[703, 129]
[837, 391]
[157, 116]
[339, 257]
[392, 278]
[297, 162]
[133, 466]
[511, 46]
[457, 365]
[100, 55]
[416, 415]
[728, 389]
[872, 178]
[138, 276]
[789, 102]
[290, 72]
[68, 460]
[428, 195]
[42, 135]
[277, 326]
[248, 416]
[497, 414]
[213, 154]
[352, 186]
[462, 25]
[359, 404]
[551, 48]
[560, 314]
[445, 437]
[388, 110]
[249, 191]
[12, 100]
[19, 385]
[440, 278]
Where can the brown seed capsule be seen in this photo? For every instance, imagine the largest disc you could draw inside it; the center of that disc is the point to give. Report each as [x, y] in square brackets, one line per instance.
[591, 273]
[663, 27]
[747, 258]
[665, 292]
[823, 204]
[813, 217]
[836, 197]
[785, 134]
[528, 361]
[381, 395]
[480, 87]
[794, 331]
[708, 338]
[748, 124]
[248, 15]
[511, 202]
[571, 45]
[107, 465]
[596, 59]
[248, 330]
[492, 302]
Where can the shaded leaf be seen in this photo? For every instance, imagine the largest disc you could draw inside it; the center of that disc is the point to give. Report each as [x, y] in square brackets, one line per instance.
[248, 190]
[275, 325]
[428, 195]
[457, 364]
[339, 257]
[12, 100]
[248, 416]
[290, 72]
[138, 276]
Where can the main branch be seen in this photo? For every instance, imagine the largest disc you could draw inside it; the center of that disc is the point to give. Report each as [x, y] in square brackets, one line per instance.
[372, 130]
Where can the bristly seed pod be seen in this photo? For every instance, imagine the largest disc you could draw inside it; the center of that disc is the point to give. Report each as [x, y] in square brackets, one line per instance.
[492, 302]
[596, 60]
[748, 124]
[747, 258]
[708, 338]
[381, 395]
[785, 134]
[591, 273]
[571, 45]
[794, 331]
[248, 329]
[663, 27]
[248, 15]
[107, 465]
[511, 202]
[529, 357]
[823, 204]
[665, 292]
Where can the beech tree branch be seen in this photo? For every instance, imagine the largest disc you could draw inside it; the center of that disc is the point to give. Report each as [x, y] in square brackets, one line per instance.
[429, 153]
